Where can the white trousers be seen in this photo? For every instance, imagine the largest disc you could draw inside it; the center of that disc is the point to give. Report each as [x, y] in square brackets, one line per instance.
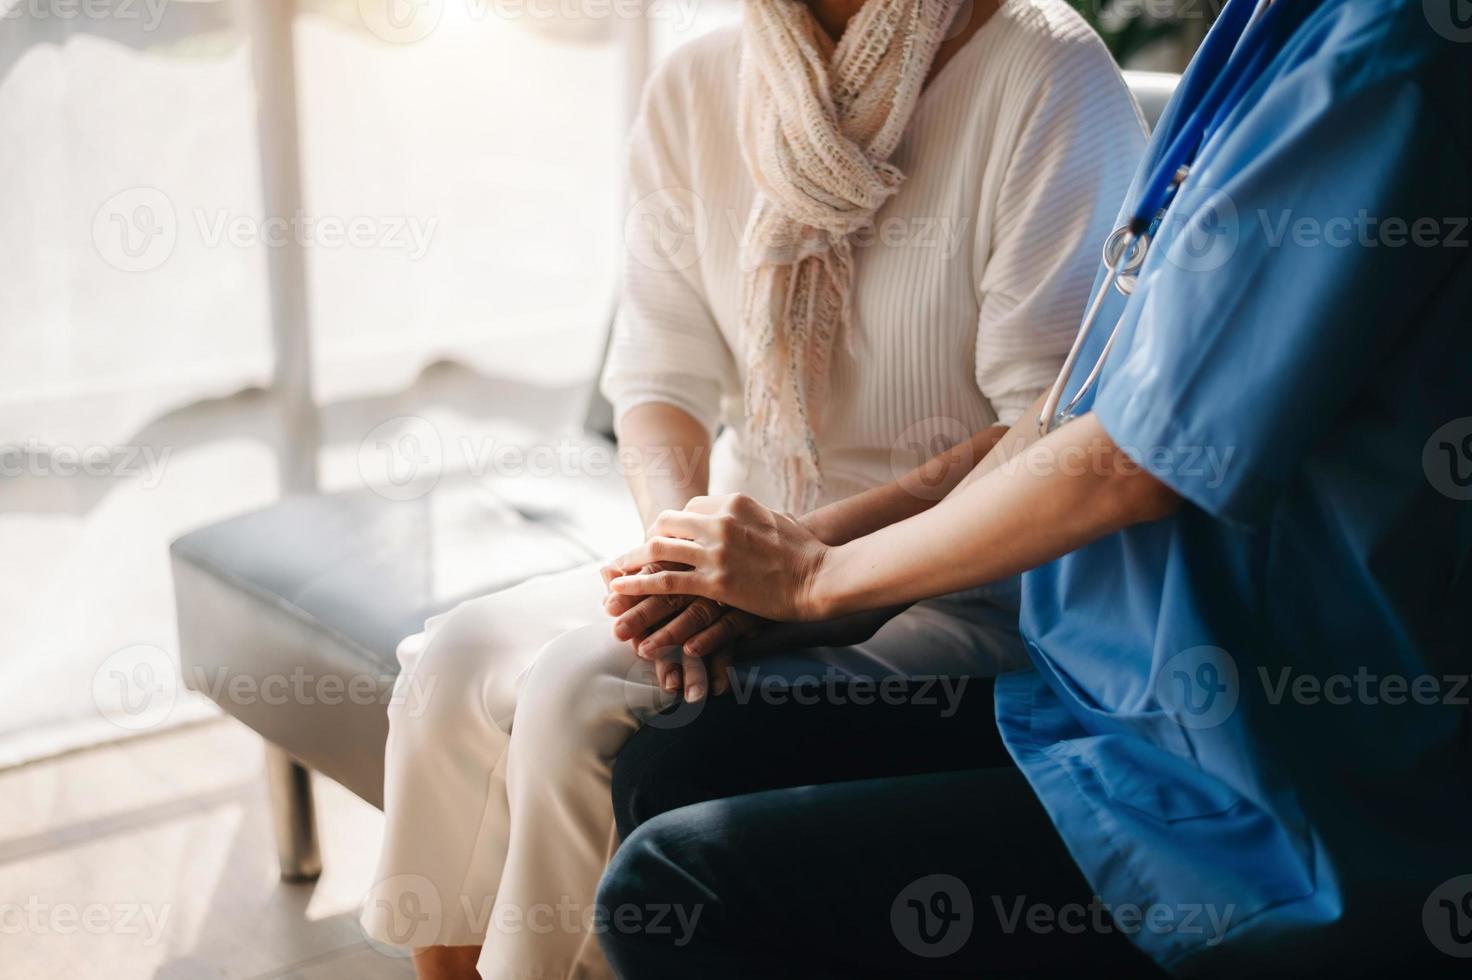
[504, 725]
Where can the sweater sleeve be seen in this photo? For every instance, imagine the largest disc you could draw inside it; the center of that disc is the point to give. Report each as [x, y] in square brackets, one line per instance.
[1077, 139]
[666, 346]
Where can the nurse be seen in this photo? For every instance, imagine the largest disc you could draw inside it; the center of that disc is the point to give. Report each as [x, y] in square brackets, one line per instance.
[1244, 744]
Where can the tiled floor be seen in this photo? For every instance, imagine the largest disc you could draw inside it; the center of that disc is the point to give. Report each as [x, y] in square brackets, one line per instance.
[154, 859]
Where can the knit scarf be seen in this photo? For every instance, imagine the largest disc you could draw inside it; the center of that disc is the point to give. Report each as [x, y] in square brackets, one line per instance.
[817, 124]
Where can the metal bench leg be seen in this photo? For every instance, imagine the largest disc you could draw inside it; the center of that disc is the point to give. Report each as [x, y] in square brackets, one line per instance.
[294, 816]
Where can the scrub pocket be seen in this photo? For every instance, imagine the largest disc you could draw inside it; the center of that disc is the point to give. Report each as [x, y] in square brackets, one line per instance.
[1172, 835]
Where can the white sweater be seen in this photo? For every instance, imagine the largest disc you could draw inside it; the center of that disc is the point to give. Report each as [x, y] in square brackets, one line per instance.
[968, 292]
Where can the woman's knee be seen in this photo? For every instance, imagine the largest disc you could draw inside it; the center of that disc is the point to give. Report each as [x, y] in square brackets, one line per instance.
[582, 697]
[449, 675]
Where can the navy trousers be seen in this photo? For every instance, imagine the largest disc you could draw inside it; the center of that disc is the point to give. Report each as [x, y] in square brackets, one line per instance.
[844, 833]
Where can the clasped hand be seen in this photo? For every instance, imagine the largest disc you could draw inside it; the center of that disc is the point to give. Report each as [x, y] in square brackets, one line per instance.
[704, 578]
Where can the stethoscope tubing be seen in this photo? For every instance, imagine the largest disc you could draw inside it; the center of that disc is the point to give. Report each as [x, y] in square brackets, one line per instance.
[1214, 92]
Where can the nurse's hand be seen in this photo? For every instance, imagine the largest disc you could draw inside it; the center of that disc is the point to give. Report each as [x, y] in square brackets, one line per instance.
[736, 551]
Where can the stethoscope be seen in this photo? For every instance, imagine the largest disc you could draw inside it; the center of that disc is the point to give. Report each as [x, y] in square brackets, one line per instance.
[1231, 58]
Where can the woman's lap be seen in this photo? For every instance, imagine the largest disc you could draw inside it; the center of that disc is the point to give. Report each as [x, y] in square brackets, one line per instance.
[942, 636]
[484, 646]
[490, 644]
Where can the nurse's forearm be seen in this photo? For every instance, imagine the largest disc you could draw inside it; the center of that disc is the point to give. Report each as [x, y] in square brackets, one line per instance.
[916, 491]
[667, 455]
[1064, 491]
[921, 488]
[1018, 438]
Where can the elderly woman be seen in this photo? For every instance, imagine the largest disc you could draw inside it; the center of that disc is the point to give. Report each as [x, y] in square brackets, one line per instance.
[860, 227]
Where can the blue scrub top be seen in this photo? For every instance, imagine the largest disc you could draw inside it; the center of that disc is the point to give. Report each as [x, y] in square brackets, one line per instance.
[1249, 721]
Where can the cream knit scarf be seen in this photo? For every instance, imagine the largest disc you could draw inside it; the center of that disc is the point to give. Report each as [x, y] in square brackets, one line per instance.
[818, 123]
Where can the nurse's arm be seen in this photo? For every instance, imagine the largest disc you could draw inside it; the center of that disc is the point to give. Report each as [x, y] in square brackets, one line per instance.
[926, 485]
[914, 492]
[1018, 510]
[1030, 501]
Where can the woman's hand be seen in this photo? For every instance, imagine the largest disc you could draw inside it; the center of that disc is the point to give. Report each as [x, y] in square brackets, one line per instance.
[678, 632]
[737, 552]
[700, 656]
[636, 616]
